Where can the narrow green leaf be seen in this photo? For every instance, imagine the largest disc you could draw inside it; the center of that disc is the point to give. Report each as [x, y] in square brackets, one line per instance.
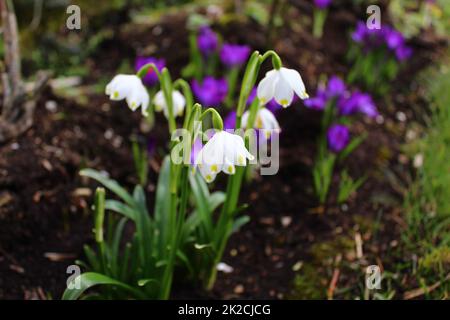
[109, 184]
[121, 208]
[239, 222]
[90, 279]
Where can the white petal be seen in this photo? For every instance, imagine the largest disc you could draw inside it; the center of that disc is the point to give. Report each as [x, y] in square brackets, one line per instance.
[269, 119]
[228, 167]
[120, 86]
[244, 119]
[295, 82]
[179, 102]
[266, 87]
[159, 101]
[283, 93]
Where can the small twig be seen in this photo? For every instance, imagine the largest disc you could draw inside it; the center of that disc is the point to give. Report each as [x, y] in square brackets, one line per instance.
[334, 278]
[359, 245]
[421, 291]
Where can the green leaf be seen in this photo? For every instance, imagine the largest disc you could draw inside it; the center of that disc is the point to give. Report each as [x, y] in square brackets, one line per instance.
[239, 222]
[121, 208]
[202, 196]
[143, 228]
[144, 282]
[109, 184]
[352, 146]
[202, 246]
[185, 260]
[99, 213]
[92, 258]
[90, 279]
[115, 247]
[162, 205]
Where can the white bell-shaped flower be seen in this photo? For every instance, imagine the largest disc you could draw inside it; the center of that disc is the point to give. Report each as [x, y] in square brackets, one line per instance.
[179, 102]
[222, 152]
[265, 120]
[281, 84]
[129, 87]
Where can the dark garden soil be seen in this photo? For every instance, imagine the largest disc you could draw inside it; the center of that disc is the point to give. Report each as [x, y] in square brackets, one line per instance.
[44, 205]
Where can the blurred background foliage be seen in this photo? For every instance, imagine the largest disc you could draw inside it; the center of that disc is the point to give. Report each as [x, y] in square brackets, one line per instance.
[412, 16]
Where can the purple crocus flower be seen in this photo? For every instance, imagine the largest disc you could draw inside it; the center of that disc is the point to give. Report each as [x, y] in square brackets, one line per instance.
[357, 102]
[230, 120]
[319, 101]
[233, 55]
[335, 87]
[211, 91]
[274, 106]
[386, 36]
[151, 77]
[394, 39]
[207, 41]
[338, 137]
[366, 105]
[322, 4]
[403, 52]
[251, 96]
[360, 32]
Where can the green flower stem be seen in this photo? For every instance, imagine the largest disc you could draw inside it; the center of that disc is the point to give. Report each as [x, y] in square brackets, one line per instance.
[276, 60]
[187, 92]
[225, 222]
[250, 75]
[216, 118]
[167, 88]
[178, 214]
[142, 72]
[232, 78]
[196, 56]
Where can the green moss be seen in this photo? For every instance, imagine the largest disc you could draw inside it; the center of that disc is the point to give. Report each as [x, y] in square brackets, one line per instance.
[311, 281]
[437, 259]
[308, 284]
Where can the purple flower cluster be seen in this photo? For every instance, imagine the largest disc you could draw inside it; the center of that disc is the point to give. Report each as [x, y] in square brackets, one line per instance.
[322, 4]
[207, 41]
[338, 137]
[347, 103]
[233, 55]
[357, 102]
[151, 77]
[211, 91]
[386, 36]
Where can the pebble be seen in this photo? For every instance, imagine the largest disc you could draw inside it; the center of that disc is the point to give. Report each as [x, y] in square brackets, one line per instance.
[286, 221]
[401, 116]
[239, 289]
[297, 266]
[418, 160]
[51, 106]
[225, 268]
